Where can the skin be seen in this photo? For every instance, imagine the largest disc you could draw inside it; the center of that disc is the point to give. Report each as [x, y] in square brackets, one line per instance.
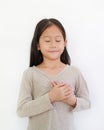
[51, 44]
[62, 92]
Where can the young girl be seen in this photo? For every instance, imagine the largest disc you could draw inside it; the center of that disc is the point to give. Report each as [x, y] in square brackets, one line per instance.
[51, 89]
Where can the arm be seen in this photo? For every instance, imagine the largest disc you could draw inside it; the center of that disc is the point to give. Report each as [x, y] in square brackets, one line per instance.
[26, 105]
[81, 93]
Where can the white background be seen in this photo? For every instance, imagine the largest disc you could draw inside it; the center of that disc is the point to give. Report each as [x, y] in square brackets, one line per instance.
[84, 24]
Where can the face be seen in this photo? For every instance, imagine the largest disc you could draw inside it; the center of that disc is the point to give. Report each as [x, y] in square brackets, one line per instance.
[51, 43]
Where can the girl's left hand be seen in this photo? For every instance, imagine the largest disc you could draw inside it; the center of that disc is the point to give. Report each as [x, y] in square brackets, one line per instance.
[71, 100]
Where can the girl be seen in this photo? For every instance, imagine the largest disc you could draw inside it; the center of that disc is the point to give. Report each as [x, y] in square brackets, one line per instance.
[51, 89]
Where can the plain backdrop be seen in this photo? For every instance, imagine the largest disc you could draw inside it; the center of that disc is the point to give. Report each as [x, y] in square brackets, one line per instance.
[84, 24]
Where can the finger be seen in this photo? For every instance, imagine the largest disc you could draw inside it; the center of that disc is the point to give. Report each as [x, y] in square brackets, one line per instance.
[70, 88]
[66, 88]
[53, 83]
[68, 91]
[68, 94]
[60, 84]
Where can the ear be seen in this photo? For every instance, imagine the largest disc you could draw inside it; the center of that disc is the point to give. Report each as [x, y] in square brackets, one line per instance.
[38, 47]
[65, 43]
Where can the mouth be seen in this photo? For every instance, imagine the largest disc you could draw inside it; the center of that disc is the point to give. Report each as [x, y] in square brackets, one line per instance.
[53, 51]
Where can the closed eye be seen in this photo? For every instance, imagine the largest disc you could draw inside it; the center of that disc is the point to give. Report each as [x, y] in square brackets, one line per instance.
[58, 41]
[47, 41]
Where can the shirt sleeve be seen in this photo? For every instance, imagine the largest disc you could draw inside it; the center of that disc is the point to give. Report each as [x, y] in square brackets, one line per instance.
[81, 93]
[26, 105]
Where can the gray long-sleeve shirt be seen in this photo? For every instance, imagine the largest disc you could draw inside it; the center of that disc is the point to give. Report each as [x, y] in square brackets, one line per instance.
[34, 100]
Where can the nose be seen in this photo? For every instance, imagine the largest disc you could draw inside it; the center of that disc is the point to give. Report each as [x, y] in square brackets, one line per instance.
[53, 44]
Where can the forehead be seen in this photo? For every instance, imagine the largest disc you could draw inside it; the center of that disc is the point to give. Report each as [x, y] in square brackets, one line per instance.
[52, 31]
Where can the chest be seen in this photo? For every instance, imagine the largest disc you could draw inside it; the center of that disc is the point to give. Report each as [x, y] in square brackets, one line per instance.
[42, 83]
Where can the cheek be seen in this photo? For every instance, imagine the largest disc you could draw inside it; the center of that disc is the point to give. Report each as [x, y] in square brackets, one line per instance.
[62, 47]
[43, 48]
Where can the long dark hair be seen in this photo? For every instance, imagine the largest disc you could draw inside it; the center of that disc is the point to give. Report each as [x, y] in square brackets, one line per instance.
[36, 57]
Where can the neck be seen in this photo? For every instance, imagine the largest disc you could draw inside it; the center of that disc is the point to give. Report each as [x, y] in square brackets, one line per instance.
[52, 64]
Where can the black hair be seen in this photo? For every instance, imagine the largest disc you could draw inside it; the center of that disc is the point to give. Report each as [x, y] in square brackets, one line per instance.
[36, 57]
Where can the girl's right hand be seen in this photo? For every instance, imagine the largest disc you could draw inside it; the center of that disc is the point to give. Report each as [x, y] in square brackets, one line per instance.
[59, 91]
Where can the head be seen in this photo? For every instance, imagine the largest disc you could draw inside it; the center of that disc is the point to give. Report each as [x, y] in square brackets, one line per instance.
[36, 56]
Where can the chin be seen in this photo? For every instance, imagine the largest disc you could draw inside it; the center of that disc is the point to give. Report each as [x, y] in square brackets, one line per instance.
[54, 58]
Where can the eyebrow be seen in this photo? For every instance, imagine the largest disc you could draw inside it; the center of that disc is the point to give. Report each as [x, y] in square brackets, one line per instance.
[50, 36]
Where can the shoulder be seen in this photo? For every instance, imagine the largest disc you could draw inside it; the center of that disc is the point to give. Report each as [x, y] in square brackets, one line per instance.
[77, 73]
[74, 69]
[28, 72]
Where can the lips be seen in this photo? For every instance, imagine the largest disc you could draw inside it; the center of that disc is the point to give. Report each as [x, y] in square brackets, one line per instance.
[53, 51]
